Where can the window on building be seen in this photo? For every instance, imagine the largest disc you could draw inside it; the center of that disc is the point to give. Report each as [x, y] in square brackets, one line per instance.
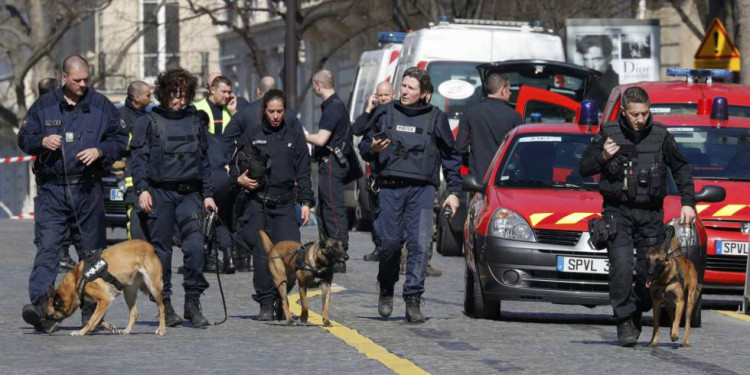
[161, 42]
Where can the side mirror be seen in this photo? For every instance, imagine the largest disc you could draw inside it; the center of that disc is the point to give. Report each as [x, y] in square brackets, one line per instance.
[470, 183]
[711, 194]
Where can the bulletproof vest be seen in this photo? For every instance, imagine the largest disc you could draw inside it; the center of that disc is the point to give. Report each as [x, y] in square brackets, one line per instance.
[413, 153]
[175, 152]
[641, 178]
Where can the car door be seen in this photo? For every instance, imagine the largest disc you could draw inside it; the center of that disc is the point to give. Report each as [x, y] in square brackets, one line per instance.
[542, 90]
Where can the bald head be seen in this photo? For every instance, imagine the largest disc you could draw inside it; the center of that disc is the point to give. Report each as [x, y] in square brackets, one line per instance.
[384, 92]
[266, 84]
[75, 62]
[139, 94]
[75, 77]
[46, 85]
[325, 79]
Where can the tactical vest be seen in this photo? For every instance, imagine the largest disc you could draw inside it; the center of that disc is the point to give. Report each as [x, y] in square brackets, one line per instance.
[413, 153]
[640, 179]
[175, 152]
[203, 105]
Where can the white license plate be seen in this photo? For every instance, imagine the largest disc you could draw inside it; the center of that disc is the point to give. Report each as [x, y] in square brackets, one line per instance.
[116, 195]
[582, 265]
[731, 248]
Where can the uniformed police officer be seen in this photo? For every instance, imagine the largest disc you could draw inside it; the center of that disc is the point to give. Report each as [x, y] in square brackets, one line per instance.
[138, 99]
[409, 142]
[248, 117]
[485, 124]
[171, 174]
[75, 133]
[274, 188]
[333, 146]
[633, 154]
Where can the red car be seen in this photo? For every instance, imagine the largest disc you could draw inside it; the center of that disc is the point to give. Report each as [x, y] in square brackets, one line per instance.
[526, 237]
[719, 153]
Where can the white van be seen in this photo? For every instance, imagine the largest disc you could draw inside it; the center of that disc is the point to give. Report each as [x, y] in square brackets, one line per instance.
[451, 52]
[374, 67]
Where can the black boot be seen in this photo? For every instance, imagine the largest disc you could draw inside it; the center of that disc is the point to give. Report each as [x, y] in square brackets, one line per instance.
[638, 322]
[266, 311]
[193, 310]
[34, 314]
[385, 302]
[413, 311]
[172, 319]
[210, 261]
[66, 262]
[627, 333]
[229, 266]
[374, 256]
[244, 264]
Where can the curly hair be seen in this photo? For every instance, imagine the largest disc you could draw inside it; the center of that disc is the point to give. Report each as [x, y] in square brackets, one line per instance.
[173, 81]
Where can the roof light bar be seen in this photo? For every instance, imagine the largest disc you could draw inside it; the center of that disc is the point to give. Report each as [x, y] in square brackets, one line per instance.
[391, 37]
[693, 74]
[466, 21]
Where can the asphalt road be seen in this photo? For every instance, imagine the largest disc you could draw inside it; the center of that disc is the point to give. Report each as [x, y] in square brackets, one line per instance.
[531, 338]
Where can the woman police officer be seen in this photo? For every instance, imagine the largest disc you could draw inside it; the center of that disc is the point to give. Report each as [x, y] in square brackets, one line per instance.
[284, 181]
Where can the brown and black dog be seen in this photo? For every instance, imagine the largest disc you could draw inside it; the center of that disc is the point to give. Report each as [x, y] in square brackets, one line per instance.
[314, 269]
[673, 281]
[134, 264]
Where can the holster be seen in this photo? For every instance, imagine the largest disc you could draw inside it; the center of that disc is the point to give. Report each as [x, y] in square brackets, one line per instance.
[601, 231]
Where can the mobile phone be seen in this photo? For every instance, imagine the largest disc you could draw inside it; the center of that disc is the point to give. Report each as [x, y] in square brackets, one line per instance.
[380, 136]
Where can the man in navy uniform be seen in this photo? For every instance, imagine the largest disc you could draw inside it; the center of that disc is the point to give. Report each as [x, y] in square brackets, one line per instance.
[75, 133]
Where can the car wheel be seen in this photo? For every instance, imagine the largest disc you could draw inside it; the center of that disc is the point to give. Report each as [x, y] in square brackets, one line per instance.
[484, 308]
[468, 292]
[448, 242]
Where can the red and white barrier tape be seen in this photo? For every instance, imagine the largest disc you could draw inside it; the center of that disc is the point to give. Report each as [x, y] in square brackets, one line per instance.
[29, 215]
[16, 159]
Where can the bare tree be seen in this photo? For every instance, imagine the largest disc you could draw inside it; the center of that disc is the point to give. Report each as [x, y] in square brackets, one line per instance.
[29, 30]
[742, 11]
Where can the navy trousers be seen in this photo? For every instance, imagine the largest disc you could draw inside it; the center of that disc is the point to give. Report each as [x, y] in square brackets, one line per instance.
[280, 223]
[57, 209]
[331, 208]
[185, 210]
[405, 215]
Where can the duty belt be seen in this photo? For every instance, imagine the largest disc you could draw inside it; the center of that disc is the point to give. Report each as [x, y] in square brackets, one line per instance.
[180, 187]
[65, 180]
[390, 182]
[272, 199]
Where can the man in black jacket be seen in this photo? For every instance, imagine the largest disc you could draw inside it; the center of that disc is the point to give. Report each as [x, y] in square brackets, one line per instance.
[139, 97]
[633, 155]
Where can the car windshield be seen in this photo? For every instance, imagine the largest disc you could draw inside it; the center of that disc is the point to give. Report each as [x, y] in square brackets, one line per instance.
[541, 160]
[456, 72]
[550, 161]
[691, 109]
[715, 153]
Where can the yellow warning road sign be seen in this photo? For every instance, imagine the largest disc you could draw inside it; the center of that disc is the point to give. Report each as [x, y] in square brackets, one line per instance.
[717, 50]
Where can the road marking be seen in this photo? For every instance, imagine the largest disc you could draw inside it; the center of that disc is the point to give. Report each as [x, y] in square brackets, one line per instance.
[356, 340]
[736, 315]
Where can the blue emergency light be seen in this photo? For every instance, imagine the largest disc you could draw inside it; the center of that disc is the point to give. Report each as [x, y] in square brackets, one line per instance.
[391, 37]
[589, 114]
[536, 117]
[692, 74]
[720, 109]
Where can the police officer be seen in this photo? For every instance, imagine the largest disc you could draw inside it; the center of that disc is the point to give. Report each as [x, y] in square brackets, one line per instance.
[409, 142]
[138, 99]
[632, 155]
[75, 133]
[246, 118]
[333, 145]
[485, 124]
[172, 176]
[383, 95]
[274, 188]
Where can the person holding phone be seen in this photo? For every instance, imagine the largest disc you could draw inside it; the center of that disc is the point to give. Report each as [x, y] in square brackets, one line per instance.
[632, 155]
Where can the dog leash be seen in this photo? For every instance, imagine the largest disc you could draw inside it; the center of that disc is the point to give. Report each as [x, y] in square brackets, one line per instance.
[208, 237]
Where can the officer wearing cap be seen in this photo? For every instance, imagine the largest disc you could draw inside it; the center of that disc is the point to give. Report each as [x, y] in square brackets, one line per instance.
[408, 142]
[274, 188]
[172, 179]
[75, 133]
[633, 155]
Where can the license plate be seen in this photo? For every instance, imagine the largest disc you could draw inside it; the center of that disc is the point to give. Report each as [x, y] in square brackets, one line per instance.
[116, 195]
[731, 248]
[582, 265]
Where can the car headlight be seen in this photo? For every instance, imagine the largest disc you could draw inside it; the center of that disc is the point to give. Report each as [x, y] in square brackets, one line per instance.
[686, 234]
[510, 225]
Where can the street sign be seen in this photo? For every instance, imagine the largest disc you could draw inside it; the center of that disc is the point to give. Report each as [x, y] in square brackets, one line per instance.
[717, 50]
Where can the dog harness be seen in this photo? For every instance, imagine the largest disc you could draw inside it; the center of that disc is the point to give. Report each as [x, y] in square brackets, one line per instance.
[95, 267]
[301, 262]
[680, 275]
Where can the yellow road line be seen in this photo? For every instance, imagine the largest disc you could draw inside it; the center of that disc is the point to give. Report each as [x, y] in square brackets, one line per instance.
[734, 314]
[356, 340]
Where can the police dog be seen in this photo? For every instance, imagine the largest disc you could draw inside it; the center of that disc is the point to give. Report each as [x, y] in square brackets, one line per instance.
[311, 266]
[672, 281]
[134, 264]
